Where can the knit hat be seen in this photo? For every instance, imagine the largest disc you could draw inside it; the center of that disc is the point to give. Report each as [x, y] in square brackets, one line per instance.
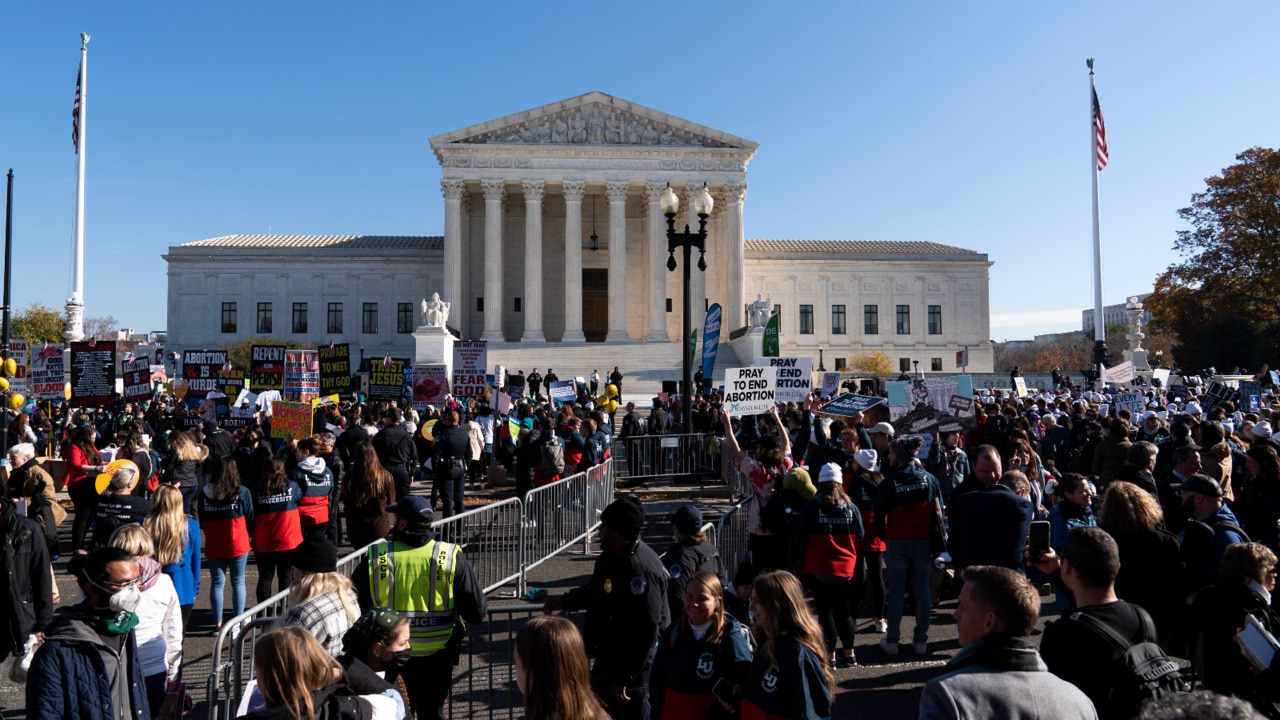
[687, 519]
[624, 516]
[1193, 408]
[830, 472]
[1262, 429]
[797, 479]
[374, 625]
[906, 449]
[867, 460]
[316, 554]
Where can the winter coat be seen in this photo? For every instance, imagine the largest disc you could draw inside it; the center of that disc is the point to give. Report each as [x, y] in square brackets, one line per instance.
[159, 631]
[185, 573]
[686, 669]
[32, 480]
[1065, 517]
[225, 522]
[826, 538]
[1219, 613]
[24, 559]
[793, 687]
[68, 678]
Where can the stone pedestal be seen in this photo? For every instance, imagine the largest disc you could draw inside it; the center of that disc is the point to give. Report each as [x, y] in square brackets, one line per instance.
[750, 347]
[433, 346]
[1138, 358]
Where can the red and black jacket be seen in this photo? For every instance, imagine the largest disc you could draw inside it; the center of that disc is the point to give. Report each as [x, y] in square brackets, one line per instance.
[686, 669]
[794, 687]
[905, 504]
[826, 537]
[276, 523]
[316, 482]
[225, 523]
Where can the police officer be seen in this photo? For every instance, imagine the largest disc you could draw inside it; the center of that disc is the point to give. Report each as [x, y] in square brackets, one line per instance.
[690, 554]
[626, 604]
[438, 613]
[452, 450]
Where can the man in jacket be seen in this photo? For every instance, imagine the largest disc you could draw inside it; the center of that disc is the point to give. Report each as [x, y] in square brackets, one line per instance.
[88, 668]
[403, 579]
[633, 427]
[451, 457]
[626, 604]
[396, 452]
[989, 526]
[218, 440]
[1138, 468]
[26, 584]
[1212, 528]
[948, 463]
[997, 673]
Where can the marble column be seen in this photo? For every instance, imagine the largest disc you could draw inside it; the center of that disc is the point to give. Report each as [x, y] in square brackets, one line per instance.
[493, 190]
[617, 192]
[452, 290]
[697, 279]
[533, 190]
[657, 265]
[734, 313]
[573, 190]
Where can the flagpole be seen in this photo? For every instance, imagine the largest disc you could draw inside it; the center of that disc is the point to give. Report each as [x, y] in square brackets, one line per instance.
[1099, 327]
[75, 303]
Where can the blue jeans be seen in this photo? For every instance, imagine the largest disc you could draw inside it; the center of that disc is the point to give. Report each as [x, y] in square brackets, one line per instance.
[217, 570]
[908, 561]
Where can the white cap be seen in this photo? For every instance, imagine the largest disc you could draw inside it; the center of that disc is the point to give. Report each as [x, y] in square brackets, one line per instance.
[883, 427]
[1193, 408]
[866, 459]
[1262, 429]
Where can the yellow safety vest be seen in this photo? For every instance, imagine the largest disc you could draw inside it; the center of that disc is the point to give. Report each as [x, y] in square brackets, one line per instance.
[417, 582]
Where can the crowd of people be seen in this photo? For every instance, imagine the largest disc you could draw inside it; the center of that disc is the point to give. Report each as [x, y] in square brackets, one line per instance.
[1159, 531]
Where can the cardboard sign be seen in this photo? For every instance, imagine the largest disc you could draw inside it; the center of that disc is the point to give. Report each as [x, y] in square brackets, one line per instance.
[245, 406]
[470, 360]
[830, 384]
[301, 375]
[562, 391]
[93, 373]
[290, 420]
[1119, 374]
[1134, 402]
[1000, 381]
[18, 352]
[1020, 386]
[933, 392]
[1162, 375]
[795, 378]
[386, 382]
[335, 369]
[266, 367]
[47, 368]
[503, 404]
[1215, 394]
[849, 404]
[430, 385]
[962, 405]
[202, 369]
[749, 391]
[137, 379]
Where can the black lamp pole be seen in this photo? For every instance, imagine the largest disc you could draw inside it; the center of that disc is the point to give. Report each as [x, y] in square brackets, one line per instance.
[4, 331]
[687, 241]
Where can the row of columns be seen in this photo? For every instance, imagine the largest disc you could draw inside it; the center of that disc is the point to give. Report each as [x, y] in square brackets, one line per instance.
[616, 192]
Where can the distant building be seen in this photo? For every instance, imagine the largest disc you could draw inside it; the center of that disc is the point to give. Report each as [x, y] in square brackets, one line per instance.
[1114, 314]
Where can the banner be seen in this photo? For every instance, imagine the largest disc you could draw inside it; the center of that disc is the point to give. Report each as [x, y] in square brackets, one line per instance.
[335, 369]
[1119, 374]
[93, 373]
[386, 382]
[202, 369]
[430, 385]
[1134, 402]
[301, 375]
[772, 331]
[830, 384]
[137, 379]
[710, 341]
[266, 367]
[693, 347]
[749, 391]
[18, 352]
[849, 404]
[48, 381]
[470, 359]
[936, 403]
[562, 391]
[795, 378]
[290, 420]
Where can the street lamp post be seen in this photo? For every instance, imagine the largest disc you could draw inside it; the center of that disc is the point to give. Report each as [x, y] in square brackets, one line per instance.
[821, 366]
[702, 206]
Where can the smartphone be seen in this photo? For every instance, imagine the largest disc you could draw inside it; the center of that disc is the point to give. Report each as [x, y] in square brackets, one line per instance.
[1039, 541]
[723, 689]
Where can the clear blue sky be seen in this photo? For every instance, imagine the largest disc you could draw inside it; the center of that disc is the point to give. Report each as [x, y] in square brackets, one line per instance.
[959, 123]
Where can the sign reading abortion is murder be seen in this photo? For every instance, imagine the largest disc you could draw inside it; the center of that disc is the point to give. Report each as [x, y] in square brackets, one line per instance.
[795, 378]
[750, 390]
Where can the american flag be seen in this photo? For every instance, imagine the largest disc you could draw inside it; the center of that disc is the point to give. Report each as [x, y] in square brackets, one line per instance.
[1101, 129]
[387, 361]
[75, 117]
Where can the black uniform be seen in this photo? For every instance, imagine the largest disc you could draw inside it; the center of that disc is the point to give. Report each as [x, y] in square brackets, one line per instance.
[626, 604]
[535, 383]
[450, 467]
[682, 560]
[397, 454]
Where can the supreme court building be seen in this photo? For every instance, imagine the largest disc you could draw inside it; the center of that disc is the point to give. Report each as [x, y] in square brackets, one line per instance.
[553, 241]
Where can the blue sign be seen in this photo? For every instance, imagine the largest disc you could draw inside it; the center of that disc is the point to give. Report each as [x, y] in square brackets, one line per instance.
[849, 405]
[562, 391]
[710, 340]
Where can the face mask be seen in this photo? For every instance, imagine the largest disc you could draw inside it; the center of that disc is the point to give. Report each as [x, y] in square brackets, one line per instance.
[118, 617]
[125, 601]
[398, 659]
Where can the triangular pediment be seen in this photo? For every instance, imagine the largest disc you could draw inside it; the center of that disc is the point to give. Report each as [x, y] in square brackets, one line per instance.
[593, 119]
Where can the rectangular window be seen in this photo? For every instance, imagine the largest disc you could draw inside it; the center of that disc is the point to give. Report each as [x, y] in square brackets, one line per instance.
[935, 364]
[404, 318]
[904, 364]
[517, 304]
[264, 318]
[480, 304]
[668, 304]
[840, 364]
[806, 319]
[228, 317]
[904, 319]
[300, 317]
[870, 319]
[935, 319]
[335, 318]
[837, 320]
[369, 319]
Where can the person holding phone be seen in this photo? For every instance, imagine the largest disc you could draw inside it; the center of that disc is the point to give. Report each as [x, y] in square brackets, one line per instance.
[702, 659]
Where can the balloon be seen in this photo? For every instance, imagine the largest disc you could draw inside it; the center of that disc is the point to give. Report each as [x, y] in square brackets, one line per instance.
[4, 385]
[179, 388]
[611, 390]
[611, 405]
[16, 401]
[103, 478]
[426, 429]
[10, 367]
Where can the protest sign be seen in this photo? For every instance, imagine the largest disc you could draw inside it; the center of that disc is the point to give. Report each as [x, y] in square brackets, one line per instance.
[232, 381]
[830, 384]
[246, 404]
[335, 369]
[386, 380]
[562, 391]
[1273, 376]
[750, 390]
[926, 444]
[499, 379]
[1020, 385]
[290, 420]
[266, 367]
[1119, 374]
[1162, 375]
[1134, 402]
[323, 400]
[772, 333]
[1216, 394]
[202, 369]
[47, 368]
[849, 404]
[927, 404]
[470, 359]
[137, 379]
[18, 353]
[1000, 381]
[430, 385]
[1249, 387]
[794, 379]
[710, 340]
[301, 375]
[1104, 410]
[503, 403]
[93, 373]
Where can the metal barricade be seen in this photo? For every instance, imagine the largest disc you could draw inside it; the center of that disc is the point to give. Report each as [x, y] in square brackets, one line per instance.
[560, 514]
[484, 684]
[490, 537]
[731, 537]
[694, 455]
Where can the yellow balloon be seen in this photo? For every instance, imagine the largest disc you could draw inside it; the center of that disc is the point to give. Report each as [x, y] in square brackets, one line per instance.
[179, 388]
[16, 401]
[612, 405]
[4, 385]
[611, 390]
[10, 367]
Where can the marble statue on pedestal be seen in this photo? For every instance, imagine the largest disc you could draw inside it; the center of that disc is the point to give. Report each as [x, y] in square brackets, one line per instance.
[435, 313]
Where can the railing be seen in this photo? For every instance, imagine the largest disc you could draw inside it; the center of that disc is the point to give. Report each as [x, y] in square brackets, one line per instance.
[731, 537]
[491, 538]
[694, 455]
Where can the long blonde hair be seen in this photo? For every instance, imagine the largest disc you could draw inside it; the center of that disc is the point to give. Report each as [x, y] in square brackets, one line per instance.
[184, 447]
[135, 540]
[167, 524]
[290, 665]
[787, 615]
[313, 585]
[552, 653]
[710, 581]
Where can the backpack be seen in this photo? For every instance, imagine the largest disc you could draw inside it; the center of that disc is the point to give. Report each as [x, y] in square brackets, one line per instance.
[552, 456]
[1142, 671]
[775, 515]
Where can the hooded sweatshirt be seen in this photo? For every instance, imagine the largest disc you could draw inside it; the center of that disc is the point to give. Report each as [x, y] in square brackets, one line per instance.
[79, 673]
[225, 522]
[159, 631]
[316, 482]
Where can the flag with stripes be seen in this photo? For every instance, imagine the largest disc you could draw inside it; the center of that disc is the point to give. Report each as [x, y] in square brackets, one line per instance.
[75, 116]
[387, 361]
[1101, 129]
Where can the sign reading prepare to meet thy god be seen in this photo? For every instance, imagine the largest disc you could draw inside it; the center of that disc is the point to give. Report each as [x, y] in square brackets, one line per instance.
[750, 390]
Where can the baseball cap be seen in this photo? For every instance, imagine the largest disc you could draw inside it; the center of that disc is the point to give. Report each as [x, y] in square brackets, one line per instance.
[686, 518]
[883, 427]
[414, 509]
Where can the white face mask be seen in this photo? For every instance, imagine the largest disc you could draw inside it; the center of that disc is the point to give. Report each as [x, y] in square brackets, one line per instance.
[125, 601]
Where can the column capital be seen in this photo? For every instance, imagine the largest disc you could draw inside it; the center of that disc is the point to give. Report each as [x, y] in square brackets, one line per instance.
[653, 191]
[617, 190]
[533, 190]
[573, 189]
[493, 189]
[452, 188]
[735, 192]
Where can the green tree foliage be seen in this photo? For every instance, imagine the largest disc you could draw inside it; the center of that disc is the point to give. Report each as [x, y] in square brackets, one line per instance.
[1230, 259]
[239, 352]
[1224, 343]
[38, 324]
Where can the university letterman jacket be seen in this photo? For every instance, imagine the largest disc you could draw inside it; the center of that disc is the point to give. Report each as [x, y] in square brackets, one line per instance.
[276, 524]
[793, 688]
[686, 669]
[316, 482]
[225, 523]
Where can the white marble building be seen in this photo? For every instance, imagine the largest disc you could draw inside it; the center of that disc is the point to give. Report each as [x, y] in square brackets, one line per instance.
[554, 240]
